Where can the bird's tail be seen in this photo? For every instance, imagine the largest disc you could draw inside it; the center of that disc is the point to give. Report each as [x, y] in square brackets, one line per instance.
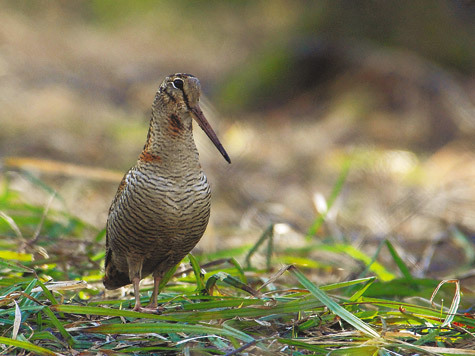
[113, 278]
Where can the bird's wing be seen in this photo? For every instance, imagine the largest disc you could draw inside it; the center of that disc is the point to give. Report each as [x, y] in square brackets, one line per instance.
[120, 190]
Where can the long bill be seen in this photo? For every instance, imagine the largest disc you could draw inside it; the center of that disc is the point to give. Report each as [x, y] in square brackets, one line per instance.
[204, 124]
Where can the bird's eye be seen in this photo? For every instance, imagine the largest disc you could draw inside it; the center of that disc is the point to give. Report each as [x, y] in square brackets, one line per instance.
[178, 84]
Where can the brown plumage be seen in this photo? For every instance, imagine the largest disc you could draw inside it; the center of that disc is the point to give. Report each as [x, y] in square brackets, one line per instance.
[162, 206]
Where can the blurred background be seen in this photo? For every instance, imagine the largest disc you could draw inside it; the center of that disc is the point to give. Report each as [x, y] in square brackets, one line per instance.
[299, 92]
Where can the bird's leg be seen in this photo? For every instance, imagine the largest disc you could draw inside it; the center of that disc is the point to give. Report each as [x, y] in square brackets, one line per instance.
[153, 299]
[138, 305]
[135, 274]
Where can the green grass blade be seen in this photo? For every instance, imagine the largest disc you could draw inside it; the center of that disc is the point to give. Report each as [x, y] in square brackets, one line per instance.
[357, 350]
[399, 262]
[15, 266]
[408, 309]
[38, 350]
[54, 320]
[196, 316]
[361, 291]
[47, 292]
[237, 334]
[26, 301]
[369, 263]
[265, 235]
[379, 270]
[167, 277]
[334, 307]
[368, 281]
[233, 302]
[160, 327]
[74, 309]
[200, 285]
[270, 248]
[100, 235]
[148, 350]
[232, 281]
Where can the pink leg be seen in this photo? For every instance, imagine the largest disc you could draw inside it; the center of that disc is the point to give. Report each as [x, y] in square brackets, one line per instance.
[136, 282]
[153, 299]
[151, 308]
[135, 275]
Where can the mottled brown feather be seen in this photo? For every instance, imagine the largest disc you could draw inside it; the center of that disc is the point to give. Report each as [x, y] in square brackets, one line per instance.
[162, 205]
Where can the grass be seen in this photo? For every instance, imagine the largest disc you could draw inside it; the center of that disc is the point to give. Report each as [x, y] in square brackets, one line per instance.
[52, 301]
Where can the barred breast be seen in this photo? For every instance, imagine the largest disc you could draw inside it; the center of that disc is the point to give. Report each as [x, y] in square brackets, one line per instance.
[158, 218]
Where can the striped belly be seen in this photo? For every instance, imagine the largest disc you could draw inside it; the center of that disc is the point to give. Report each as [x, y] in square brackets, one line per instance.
[158, 218]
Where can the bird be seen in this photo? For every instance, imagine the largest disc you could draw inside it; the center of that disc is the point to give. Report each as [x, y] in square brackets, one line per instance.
[162, 205]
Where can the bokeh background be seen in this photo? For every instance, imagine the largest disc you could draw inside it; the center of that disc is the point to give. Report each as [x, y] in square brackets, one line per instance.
[297, 91]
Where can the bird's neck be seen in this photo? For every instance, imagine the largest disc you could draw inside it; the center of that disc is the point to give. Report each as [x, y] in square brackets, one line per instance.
[170, 143]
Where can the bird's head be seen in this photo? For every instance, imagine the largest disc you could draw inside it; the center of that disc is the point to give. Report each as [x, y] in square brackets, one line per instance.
[179, 94]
